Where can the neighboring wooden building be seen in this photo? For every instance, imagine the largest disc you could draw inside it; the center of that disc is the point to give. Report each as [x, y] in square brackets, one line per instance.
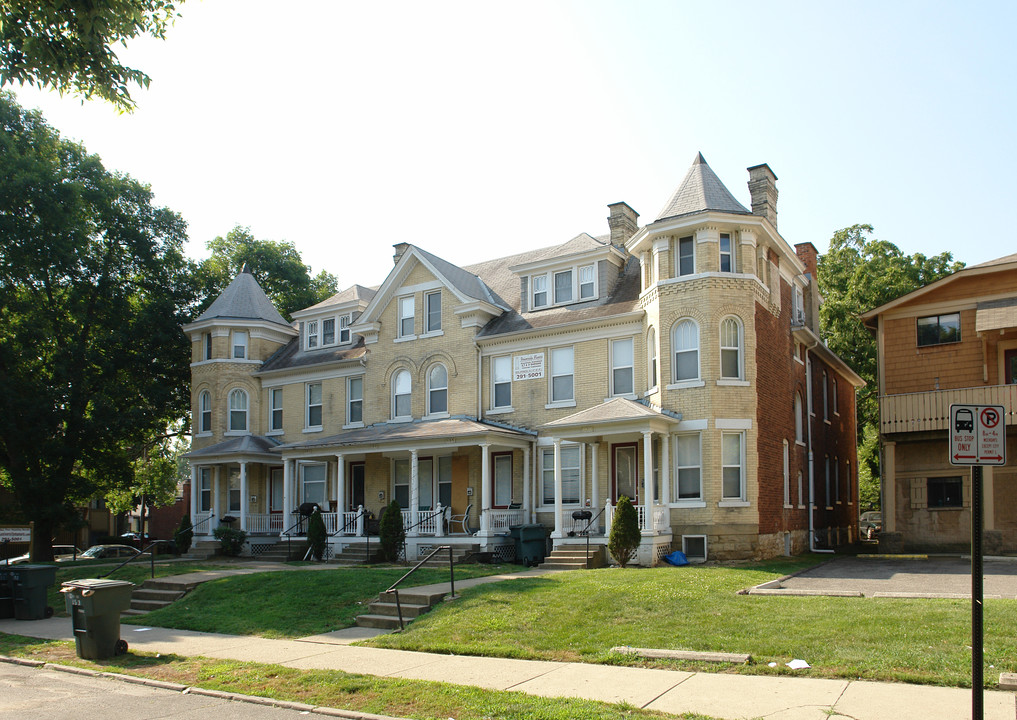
[953, 341]
[679, 364]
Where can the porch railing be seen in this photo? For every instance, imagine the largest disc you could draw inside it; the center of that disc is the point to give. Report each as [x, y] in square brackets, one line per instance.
[501, 520]
[203, 526]
[264, 522]
[424, 522]
[922, 411]
[576, 526]
[660, 517]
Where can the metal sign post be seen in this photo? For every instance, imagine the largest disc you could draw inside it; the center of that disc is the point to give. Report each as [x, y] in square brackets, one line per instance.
[977, 438]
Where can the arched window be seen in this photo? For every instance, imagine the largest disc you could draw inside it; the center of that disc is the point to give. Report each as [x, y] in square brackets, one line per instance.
[651, 357]
[238, 410]
[402, 387]
[685, 341]
[204, 411]
[799, 419]
[731, 349]
[437, 390]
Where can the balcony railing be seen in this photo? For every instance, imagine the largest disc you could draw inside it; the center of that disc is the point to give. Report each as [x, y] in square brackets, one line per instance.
[660, 518]
[917, 412]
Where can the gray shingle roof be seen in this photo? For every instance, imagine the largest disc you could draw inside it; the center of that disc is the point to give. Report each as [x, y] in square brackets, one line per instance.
[293, 354]
[354, 292]
[243, 445]
[464, 281]
[243, 299]
[614, 410]
[401, 432]
[701, 190]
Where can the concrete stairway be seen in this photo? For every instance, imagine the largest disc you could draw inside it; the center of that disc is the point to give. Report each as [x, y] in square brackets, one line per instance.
[573, 557]
[459, 554]
[203, 550]
[384, 613]
[356, 554]
[156, 593]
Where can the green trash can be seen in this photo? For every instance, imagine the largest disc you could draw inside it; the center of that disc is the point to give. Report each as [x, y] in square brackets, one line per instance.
[95, 606]
[30, 585]
[531, 543]
[6, 592]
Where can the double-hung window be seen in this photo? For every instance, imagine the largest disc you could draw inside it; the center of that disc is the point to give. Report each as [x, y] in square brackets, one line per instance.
[571, 457]
[826, 398]
[233, 485]
[686, 256]
[726, 253]
[437, 390]
[836, 408]
[562, 374]
[344, 328]
[622, 367]
[501, 381]
[328, 331]
[402, 387]
[730, 349]
[502, 472]
[314, 405]
[539, 283]
[406, 316]
[239, 345]
[939, 329]
[355, 400]
[688, 457]
[205, 411]
[275, 409]
[587, 282]
[238, 410]
[312, 478]
[312, 334]
[732, 452]
[685, 341]
[401, 483]
[208, 345]
[563, 287]
[205, 491]
[432, 306]
[651, 356]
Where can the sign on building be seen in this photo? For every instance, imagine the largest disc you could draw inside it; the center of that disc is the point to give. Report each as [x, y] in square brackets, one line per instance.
[977, 435]
[15, 533]
[528, 367]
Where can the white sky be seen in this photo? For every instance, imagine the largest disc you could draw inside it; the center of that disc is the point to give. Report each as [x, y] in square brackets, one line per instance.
[476, 130]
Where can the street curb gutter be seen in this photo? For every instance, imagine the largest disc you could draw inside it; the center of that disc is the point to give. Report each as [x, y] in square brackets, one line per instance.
[190, 690]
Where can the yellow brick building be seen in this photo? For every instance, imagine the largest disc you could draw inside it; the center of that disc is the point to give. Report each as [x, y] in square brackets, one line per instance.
[665, 363]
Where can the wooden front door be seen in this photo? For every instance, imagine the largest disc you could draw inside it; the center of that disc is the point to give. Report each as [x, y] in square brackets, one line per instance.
[625, 471]
[460, 481]
[356, 495]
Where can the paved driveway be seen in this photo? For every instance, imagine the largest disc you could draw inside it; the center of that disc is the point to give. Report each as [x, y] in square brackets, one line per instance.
[933, 576]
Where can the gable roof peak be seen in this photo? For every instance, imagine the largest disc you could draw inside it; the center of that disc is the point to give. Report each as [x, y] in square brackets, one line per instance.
[701, 191]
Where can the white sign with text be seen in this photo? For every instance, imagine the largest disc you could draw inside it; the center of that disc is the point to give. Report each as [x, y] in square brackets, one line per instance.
[528, 367]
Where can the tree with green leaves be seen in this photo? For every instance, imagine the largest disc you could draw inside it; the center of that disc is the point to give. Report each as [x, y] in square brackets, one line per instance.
[94, 286]
[317, 534]
[856, 275]
[68, 45]
[183, 536]
[391, 534]
[277, 265]
[625, 537]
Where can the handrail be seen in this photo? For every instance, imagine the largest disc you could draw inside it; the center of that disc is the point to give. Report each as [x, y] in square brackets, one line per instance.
[135, 557]
[289, 537]
[451, 575]
[586, 531]
[195, 528]
[434, 514]
[362, 513]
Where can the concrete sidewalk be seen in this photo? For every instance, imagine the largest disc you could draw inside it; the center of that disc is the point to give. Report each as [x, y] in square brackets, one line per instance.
[714, 694]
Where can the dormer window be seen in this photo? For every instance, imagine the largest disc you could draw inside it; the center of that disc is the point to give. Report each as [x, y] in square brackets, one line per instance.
[539, 291]
[798, 308]
[328, 331]
[322, 333]
[344, 328]
[563, 287]
[587, 283]
[312, 334]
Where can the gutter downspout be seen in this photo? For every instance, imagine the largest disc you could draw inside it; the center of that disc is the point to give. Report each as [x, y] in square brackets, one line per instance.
[812, 465]
[480, 383]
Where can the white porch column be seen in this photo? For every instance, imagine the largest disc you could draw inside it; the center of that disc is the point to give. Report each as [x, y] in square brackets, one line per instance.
[485, 489]
[216, 503]
[538, 480]
[340, 487]
[195, 491]
[527, 493]
[414, 492]
[243, 496]
[287, 493]
[665, 469]
[594, 478]
[558, 529]
[648, 479]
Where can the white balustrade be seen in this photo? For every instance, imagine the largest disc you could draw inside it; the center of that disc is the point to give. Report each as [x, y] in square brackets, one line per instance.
[499, 521]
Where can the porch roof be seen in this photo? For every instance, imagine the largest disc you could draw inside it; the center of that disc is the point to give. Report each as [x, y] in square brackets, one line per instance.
[617, 415]
[393, 436]
[244, 447]
[996, 315]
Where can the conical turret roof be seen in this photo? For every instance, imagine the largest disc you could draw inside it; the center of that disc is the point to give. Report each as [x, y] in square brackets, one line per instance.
[700, 191]
[243, 299]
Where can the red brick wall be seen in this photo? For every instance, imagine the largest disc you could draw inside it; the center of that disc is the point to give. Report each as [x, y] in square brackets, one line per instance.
[833, 436]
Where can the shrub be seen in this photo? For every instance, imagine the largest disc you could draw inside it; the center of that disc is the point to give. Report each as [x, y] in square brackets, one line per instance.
[231, 541]
[317, 535]
[391, 532]
[625, 536]
[183, 536]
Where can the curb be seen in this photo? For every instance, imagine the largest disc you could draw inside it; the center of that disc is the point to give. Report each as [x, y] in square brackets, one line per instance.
[190, 690]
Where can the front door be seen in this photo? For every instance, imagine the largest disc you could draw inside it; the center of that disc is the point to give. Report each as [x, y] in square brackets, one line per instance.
[625, 472]
[275, 498]
[356, 495]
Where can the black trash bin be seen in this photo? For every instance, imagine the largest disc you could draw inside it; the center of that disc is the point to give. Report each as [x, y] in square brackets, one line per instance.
[95, 606]
[30, 584]
[6, 592]
[531, 543]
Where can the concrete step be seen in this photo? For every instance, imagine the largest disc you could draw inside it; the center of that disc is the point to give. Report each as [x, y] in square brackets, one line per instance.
[391, 609]
[413, 597]
[148, 605]
[169, 584]
[562, 565]
[147, 593]
[384, 622]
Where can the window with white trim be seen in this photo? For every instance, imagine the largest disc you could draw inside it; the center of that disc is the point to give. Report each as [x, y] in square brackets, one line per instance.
[686, 259]
[651, 357]
[501, 381]
[587, 282]
[311, 328]
[401, 482]
[432, 308]
[239, 345]
[826, 405]
[205, 411]
[685, 341]
[688, 460]
[437, 390]
[233, 490]
[836, 480]
[406, 316]
[312, 481]
[836, 409]
[275, 409]
[731, 349]
[238, 410]
[562, 374]
[787, 474]
[205, 489]
[622, 367]
[328, 331]
[727, 262]
[826, 475]
[539, 283]
[798, 307]
[799, 419]
[801, 491]
[344, 328]
[402, 387]
[563, 287]
[732, 449]
[313, 418]
[571, 458]
[501, 473]
[694, 547]
[354, 400]
[208, 345]
[850, 483]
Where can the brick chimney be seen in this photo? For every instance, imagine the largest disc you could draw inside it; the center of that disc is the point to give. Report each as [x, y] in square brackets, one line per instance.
[623, 221]
[400, 249]
[763, 189]
[809, 256]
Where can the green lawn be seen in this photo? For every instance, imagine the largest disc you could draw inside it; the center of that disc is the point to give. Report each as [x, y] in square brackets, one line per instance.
[294, 603]
[580, 615]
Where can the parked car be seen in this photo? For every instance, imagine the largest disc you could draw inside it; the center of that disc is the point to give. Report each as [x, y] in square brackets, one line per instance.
[109, 552]
[61, 553]
[870, 524]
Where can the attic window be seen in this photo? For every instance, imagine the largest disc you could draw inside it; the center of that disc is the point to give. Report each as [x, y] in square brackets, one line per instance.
[539, 291]
[344, 328]
[312, 334]
[587, 283]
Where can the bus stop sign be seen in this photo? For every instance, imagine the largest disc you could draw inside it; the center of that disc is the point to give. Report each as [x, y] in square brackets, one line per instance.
[977, 435]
